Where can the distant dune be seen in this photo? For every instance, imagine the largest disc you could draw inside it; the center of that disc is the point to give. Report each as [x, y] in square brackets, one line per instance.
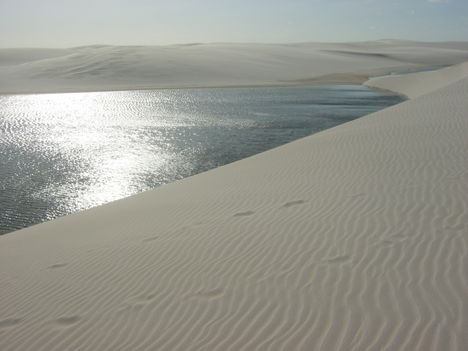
[352, 239]
[101, 67]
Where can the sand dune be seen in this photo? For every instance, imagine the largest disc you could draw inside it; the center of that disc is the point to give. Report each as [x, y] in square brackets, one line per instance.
[101, 67]
[417, 84]
[352, 239]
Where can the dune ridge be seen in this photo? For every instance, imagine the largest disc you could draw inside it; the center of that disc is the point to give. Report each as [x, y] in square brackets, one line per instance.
[103, 67]
[417, 84]
[354, 238]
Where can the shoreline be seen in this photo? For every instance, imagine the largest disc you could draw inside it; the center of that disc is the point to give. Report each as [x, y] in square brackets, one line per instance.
[307, 82]
[331, 79]
[327, 80]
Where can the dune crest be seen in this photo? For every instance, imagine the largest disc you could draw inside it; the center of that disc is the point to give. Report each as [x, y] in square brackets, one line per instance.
[417, 84]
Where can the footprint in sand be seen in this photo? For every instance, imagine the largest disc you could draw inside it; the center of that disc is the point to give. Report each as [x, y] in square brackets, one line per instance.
[67, 321]
[57, 265]
[356, 196]
[6, 323]
[146, 298]
[394, 239]
[136, 303]
[153, 238]
[294, 203]
[210, 294]
[338, 259]
[242, 214]
[387, 242]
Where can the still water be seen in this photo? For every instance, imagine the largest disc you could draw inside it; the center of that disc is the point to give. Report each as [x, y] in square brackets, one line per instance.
[61, 153]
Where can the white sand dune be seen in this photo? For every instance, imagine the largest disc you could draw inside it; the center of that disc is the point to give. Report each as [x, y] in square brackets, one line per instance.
[417, 84]
[355, 238]
[100, 67]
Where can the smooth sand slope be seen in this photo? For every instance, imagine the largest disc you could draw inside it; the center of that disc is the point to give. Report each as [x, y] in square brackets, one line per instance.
[208, 65]
[352, 239]
[417, 84]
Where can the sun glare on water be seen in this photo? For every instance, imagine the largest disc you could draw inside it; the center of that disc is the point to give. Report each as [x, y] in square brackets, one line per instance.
[96, 146]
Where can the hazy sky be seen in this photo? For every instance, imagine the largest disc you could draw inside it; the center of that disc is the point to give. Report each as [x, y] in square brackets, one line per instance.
[64, 23]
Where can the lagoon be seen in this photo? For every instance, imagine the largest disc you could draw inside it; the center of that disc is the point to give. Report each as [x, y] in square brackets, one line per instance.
[63, 153]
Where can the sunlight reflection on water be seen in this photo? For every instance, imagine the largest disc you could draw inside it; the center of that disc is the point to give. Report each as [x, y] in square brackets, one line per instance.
[61, 153]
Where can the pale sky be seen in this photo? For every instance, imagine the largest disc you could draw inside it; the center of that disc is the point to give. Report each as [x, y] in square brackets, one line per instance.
[67, 23]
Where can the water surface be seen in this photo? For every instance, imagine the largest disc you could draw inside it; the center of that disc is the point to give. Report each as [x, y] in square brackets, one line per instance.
[61, 153]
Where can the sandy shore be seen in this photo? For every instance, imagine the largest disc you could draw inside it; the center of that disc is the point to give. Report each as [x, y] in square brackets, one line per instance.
[352, 239]
[99, 67]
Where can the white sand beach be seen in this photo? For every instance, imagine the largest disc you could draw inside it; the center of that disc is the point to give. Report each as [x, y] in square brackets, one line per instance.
[355, 238]
[99, 67]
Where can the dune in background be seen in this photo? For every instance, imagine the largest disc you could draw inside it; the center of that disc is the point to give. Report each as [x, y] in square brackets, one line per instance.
[354, 238]
[100, 67]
